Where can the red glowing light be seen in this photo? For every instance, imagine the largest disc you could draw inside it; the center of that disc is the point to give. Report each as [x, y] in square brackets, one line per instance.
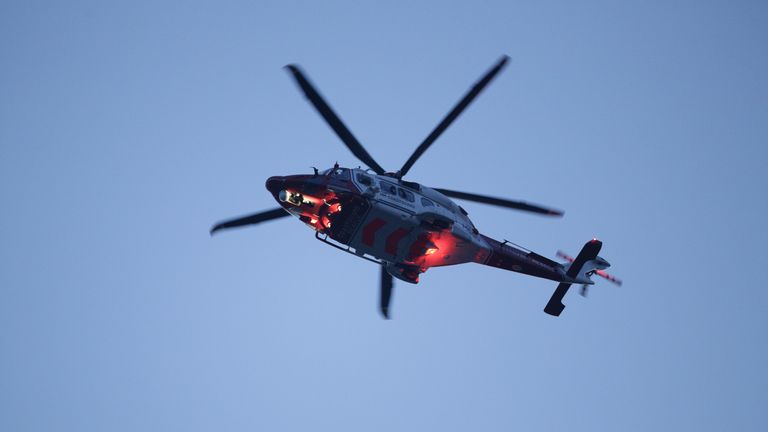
[430, 251]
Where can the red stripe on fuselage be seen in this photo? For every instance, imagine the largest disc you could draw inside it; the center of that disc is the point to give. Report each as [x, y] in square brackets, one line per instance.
[394, 239]
[369, 231]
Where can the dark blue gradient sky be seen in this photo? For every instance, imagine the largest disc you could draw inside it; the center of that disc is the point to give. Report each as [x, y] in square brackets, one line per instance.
[127, 129]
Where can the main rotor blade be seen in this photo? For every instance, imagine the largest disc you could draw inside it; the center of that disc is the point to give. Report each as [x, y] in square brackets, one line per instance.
[385, 293]
[451, 116]
[501, 202]
[333, 120]
[251, 219]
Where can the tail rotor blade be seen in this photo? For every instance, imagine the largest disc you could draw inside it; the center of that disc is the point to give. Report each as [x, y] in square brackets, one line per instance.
[250, 219]
[333, 120]
[453, 114]
[385, 294]
[609, 277]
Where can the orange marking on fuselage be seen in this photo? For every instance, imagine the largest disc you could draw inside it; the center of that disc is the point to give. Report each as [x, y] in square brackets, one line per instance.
[394, 239]
[369, 231]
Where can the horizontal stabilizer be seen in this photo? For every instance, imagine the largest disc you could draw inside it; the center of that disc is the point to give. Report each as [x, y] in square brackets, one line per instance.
[555, 305]
[589, 252]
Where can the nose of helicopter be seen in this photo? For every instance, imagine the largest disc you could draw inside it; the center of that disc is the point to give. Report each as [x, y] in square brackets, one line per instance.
[275, 184]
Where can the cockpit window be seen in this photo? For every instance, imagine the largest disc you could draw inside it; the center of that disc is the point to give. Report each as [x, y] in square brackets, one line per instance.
[405, 194]
[339, 173]
[426, 203]
[392, 189]
[389, 188]
[364, 179]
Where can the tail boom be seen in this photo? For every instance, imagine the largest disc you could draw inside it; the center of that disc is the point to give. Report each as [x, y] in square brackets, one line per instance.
[509, 257]
[514, 258]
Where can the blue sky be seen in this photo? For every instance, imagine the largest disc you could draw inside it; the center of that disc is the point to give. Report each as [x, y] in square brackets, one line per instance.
[127, 129]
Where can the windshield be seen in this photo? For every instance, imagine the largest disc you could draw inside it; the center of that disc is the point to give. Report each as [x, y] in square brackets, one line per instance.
[340, 173]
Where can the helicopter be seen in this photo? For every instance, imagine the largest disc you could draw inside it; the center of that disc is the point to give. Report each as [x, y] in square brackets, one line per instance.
[403, 226]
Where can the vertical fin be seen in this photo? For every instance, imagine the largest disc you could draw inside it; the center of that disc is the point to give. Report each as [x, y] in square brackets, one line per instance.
[590, 250]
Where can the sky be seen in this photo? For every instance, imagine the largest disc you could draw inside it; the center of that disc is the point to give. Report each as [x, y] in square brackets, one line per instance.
[128, 128]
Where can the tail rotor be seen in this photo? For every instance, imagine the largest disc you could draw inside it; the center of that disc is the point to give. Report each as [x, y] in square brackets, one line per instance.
[601, 273]
[579, 270]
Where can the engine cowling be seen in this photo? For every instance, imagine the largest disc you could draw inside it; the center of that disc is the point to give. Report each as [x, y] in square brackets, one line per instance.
[435, 221]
